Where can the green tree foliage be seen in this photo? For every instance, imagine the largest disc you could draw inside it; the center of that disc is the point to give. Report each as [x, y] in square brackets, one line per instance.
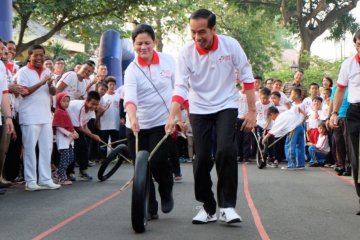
[319, 69]
[308, 19]
[55, 15]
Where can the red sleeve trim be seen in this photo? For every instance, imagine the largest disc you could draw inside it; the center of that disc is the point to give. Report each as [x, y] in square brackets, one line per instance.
[5, 91]
[130, 103]
[178, 99]
[185, 104]
[341, 86]
[249, 86]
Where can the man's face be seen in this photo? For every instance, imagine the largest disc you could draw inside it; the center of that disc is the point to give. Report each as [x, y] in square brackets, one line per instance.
[269, 84]
[357, 46]
[12, 49]
[1, 49]
[102, 70]
[37, 58]
[298, 77]
[6, 55]
[258, 84]
[92, 104]
[264, 99]
[86, 71]
[59, 66]
[111, 86]
[316, 104]
[275, 99]
[277, 86]
[294, 96]
[201, 33]
[314, 90]
[49, 64]
[102, 90]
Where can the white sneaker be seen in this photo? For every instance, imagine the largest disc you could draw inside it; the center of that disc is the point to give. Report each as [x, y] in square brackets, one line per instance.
[229, 215]
[203, 217]
[32, 186]
[50, 185]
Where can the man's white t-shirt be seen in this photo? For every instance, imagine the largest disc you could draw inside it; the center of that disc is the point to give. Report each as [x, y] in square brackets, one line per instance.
[34, 108]
[74, 87]
[110, 120]
[79, 117]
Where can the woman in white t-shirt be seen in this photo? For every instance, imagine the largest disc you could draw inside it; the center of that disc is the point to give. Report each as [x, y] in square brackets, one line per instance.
[148, 91]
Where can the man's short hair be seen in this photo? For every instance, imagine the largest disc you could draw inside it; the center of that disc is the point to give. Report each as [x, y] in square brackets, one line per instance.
[276, 93]
[317, 98]
[110, 79]
[90, 63]
[271, 110]
[93, 95]
[297, 91]
[277, 80]
[265, 91]
[34, 47]
[314, 84]
[258, 77]
[356, 35]
[204, 14]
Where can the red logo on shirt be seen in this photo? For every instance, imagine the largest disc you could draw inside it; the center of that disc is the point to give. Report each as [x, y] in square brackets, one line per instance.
[165, 73]
[226, 58]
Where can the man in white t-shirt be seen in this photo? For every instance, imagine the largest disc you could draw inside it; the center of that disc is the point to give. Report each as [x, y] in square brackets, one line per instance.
[208, 65]
[6, 113]
[349, 77]
[81, 111]
[73, 83]
[110, 118]
[36, 120]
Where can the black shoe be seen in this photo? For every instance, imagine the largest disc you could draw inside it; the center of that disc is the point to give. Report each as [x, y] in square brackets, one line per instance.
[340, 171]
[346, 173]
[151, 216]
[167, 204]
[5, 185]
[358, 212]
[2, 191]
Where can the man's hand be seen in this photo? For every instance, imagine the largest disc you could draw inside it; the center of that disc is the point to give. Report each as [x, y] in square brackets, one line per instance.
[264, 140]
[9, 126]
[18, 89]
[249, 121]
[74, 135]
[334, 121]
[95, 137]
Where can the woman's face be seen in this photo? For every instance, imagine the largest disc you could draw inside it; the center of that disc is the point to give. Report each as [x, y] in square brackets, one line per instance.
[144, 46]
[326, 83]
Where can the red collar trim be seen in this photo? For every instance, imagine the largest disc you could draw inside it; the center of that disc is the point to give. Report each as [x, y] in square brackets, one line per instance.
[357, 58]
[155, 60]
[39, 72]
[203, 51]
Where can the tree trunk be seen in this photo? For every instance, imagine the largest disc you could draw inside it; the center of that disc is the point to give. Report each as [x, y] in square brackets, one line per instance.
[304, 60]
[159, 34]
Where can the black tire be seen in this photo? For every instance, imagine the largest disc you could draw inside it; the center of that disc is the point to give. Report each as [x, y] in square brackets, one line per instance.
[107, 168]
[260, 162]
[140, 192]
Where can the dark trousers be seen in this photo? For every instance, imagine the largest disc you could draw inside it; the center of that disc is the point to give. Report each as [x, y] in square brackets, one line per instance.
[224, 123]
[353, 129]
[243, 140]
[173, 154]
[340, 146]
[105, 135]
[159, 165]
[81, 150]
[66, 158]
[13, 162]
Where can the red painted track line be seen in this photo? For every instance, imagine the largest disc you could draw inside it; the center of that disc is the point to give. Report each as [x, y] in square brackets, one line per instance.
[344, 179]
[254, 212]
[75, 216]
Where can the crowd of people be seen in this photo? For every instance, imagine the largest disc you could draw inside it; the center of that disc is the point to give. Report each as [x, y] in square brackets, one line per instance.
[53, 121]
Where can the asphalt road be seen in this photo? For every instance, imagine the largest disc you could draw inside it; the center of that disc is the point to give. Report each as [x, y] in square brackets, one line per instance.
[274, 204]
